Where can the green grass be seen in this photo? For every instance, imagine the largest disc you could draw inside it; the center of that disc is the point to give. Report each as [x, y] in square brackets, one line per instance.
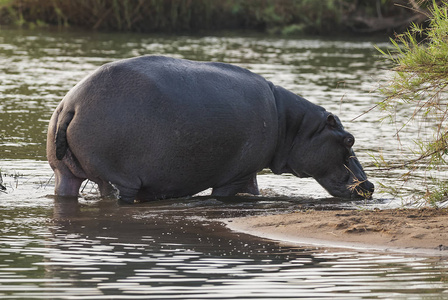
[420, 85]
[272, 16]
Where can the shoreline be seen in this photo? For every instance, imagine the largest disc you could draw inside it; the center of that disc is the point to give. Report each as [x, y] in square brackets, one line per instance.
[413, 231]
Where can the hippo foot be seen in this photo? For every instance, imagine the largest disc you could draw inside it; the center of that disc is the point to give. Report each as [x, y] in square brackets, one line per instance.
[243, 186]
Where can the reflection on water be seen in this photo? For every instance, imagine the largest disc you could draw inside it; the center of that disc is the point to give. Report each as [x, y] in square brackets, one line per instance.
[163, 250]
[97, 249]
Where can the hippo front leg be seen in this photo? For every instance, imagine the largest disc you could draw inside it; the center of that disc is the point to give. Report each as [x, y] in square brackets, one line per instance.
[126, 193]
[247, 185]
[106, 189]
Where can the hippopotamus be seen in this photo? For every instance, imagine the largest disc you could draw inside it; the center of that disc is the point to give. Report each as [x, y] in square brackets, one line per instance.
[155, 127]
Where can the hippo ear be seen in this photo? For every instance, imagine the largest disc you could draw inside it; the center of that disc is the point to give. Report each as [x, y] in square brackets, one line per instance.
[331, 121]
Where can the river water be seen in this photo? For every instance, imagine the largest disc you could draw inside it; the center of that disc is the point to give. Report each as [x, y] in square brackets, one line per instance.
[98, 249]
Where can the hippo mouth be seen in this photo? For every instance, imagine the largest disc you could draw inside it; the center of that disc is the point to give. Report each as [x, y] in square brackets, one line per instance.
[361, 189]
[355, 190]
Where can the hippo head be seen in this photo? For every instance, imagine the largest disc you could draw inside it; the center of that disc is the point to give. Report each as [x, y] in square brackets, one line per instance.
[326, 154]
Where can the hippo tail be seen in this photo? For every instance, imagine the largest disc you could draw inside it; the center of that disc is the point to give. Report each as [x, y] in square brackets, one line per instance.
[61, 133]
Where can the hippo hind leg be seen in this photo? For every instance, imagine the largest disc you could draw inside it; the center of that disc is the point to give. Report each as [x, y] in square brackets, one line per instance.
[67, 184]
[247, 184]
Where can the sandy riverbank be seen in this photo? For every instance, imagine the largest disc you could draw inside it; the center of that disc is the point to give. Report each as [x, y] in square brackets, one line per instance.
[423, 231]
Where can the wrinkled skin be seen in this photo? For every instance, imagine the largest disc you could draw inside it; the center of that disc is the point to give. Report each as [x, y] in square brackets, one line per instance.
[156, 127]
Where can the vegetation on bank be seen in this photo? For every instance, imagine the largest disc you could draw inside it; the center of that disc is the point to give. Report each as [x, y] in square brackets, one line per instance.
[418, 92]
[272, 16]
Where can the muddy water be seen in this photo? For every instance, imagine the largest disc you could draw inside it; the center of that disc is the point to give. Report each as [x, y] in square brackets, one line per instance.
[98, 249]
[167, 250]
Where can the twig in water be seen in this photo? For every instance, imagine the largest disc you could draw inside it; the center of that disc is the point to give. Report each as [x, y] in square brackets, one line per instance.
[2, 187]
[82, 190]
[48, 181]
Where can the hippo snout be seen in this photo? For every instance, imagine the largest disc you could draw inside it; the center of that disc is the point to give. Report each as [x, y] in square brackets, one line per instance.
[363, 189]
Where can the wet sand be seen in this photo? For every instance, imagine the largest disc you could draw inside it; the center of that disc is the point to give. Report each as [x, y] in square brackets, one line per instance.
[423, 231]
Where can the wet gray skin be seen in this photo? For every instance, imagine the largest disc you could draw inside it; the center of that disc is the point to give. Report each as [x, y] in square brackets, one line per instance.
[156, 127]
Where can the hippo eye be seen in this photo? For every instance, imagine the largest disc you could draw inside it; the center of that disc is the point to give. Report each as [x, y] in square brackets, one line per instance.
[349, 141]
